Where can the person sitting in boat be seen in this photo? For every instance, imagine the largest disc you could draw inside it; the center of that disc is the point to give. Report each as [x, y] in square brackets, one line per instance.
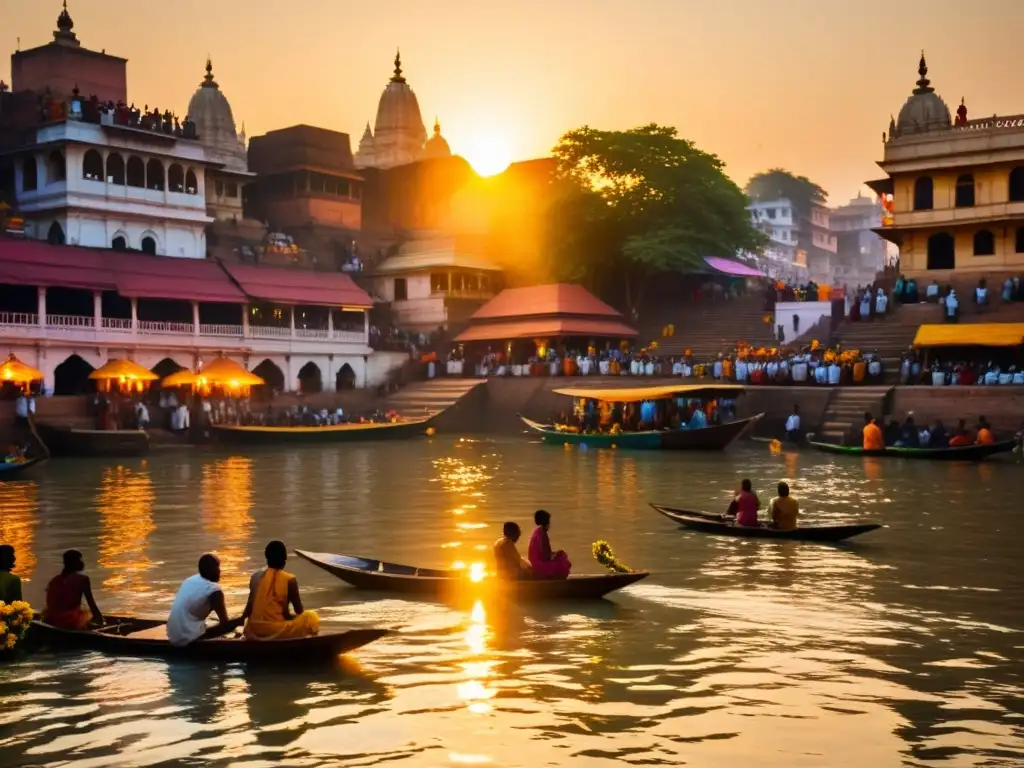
[507, 562]
[960, 437]
[699, 420]
[64, 596]
[271, 591]
[544, 563]
[909, 436]
[871, 435]
[939, 438]
[793, 432]
[10, 585]
[985, 436]
[745, 505]
[893, 430]
[198, 596]
[783, 510]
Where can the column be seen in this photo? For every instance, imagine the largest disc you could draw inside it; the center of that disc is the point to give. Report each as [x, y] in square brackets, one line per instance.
[97, 309]
[41, 309]
[195, 318]
[135, 315]
[245, 321]
[366, 326]
[330, 322]
[329, 385]
[291, 320]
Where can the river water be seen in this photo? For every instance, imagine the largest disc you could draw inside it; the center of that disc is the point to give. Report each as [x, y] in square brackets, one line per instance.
[903, 648]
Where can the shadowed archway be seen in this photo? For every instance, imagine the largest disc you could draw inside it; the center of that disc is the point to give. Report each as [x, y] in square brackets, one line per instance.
[273, 377]
[72, 377]
[310, 379]
[346, 378]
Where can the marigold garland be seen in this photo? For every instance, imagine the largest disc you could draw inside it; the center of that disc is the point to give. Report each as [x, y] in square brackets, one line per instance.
[602, 552]
[15, 619]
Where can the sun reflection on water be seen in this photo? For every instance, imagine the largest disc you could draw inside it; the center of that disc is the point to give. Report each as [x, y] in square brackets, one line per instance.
[125, 501]
[226, 499]
[18, 506]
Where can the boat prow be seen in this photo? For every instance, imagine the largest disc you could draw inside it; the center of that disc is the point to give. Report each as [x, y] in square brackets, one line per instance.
[381, 576]
[717, 524]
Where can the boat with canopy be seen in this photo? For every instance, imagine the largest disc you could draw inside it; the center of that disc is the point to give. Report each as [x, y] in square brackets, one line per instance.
[615, 418]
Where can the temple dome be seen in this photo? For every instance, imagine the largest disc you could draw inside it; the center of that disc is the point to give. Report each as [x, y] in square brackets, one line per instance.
[215, 123]
[924, 110]
[398, 133]
[436, 145]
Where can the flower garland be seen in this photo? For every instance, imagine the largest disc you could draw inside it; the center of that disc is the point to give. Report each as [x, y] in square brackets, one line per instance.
[602, 552]
[15, 619]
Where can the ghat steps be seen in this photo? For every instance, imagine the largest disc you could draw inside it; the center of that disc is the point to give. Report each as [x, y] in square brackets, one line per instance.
[427, 398]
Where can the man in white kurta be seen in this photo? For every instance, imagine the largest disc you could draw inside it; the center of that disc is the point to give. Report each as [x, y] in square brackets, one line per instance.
[198, 597]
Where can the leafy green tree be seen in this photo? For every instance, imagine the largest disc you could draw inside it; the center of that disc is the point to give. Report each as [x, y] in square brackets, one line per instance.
[638, 203]
[777, 183]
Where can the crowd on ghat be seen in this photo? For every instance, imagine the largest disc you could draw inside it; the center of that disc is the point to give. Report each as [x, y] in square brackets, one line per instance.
[604, 416]
[945, 372]
[92, 110]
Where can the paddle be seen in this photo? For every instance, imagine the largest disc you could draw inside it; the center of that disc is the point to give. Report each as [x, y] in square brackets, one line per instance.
[223, 629]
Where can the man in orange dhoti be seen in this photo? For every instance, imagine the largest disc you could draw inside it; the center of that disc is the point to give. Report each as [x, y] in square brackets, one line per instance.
[271, 590]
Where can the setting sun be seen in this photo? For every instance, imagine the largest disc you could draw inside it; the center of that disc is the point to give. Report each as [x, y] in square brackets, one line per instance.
[488, 156]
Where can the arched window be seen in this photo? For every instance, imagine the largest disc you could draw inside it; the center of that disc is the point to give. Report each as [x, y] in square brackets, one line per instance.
[72, 377]
[1017, 185]
[56, 234]
[941, 251]
[346, 378]
[965, 191]
[191, 184]
[119, 243]
[115, 169]
[1020, 240]
[92, 166]
[272, 376]
[58, 166]
[29, 175]
[149, 245]
[136, 174]
[155, 175]
[923, 193]
[176, 178]
[984, 243]
[310, 379]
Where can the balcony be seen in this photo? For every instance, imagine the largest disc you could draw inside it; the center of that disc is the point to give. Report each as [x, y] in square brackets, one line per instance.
[947, 217]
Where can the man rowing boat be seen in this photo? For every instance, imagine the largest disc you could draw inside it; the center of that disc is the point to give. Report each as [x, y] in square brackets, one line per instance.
[198, 597]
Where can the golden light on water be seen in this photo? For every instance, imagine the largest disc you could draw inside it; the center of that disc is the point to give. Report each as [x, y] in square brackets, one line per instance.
[226, 499]
[18, 505]
[464, 759]
[125, 501]
[477, 572]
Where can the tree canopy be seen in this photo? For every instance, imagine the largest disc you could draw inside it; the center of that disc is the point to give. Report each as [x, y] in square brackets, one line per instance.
[636, 203]
[777, 183]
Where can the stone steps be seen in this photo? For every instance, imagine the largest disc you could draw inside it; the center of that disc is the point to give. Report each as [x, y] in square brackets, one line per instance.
[429, 397]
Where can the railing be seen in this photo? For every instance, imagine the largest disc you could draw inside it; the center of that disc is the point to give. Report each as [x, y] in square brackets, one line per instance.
[219, 329]
[150, 326]
[70, 321]
[117, 324]
[355, 337]
[311, 333]
[18, 318]
[269, 332]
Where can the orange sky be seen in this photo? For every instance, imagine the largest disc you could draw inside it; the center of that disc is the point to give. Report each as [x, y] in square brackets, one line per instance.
[803, 84]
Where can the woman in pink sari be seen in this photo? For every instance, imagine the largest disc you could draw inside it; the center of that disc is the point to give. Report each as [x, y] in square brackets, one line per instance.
[545, 563]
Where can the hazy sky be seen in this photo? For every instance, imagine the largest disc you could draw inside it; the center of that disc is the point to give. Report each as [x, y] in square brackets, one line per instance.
[804, 84]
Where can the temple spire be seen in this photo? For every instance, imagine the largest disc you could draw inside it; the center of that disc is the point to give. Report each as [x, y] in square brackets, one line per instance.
[397, 77]
[65, 24]
[923, 83]
[208, 81]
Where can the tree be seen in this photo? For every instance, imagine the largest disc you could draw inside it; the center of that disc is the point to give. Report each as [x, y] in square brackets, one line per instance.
[638, 203]
[778, 183]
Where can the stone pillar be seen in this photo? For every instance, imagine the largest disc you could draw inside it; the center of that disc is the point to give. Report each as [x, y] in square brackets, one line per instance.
[97, 309]
[245, 321]
[291, 321]
[135, 315]
[41, 308]
[290, 383]
[330, 322]
[195, 318]
[329, 385]
[366, 326]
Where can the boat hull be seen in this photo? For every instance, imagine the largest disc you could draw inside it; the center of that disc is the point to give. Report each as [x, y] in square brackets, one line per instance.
[715, 438]
[114, 443]
[320, 648]
[379, 576]
[965, 453]
[342, 433]
[705, 523]
[9, 471]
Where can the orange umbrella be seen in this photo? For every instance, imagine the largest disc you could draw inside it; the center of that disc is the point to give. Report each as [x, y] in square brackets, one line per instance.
[123, 370]
[227, 372]
[16, 372]
[182, 378]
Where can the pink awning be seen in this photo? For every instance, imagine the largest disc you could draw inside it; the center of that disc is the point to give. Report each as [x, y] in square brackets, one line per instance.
[299, 286]
[160, 277]
[32, 262]
[733, 268]
[556, 299]
[545, 328]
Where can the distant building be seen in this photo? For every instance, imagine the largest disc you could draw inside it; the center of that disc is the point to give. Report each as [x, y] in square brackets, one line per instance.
[800, 248]
[956, 188]
[860, 252]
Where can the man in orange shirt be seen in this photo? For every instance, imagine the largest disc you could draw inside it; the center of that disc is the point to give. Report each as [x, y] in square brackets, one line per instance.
[984, 432]
[872, 434]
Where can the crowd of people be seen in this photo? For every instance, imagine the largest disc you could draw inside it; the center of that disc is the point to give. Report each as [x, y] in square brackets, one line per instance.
[945, 372]
[909, 434]
[590, 416]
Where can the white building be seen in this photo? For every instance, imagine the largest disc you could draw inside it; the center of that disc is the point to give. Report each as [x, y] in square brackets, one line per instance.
[800, 249]
[861, 253]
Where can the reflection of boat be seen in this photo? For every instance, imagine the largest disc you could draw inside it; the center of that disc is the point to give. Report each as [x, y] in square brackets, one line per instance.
[430, 582]
[11, 469]
[127, 636]
[339, 433]
[67, 441]
[701, 521]
[963, 453]
[711, 437]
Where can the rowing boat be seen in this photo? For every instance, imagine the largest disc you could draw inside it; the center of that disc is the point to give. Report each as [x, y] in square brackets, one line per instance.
[127, 636]
[713, 438]
[716, 524]
[11, 469]
[962, 453]
[381, 576]
[338, 433]
[108, 443]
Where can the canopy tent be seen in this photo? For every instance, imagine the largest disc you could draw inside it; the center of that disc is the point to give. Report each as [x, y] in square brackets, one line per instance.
[184, 378]
[16, 372]
[970, 335]
[732, 268]
[226, 372]
[122, 370]
[639, 394]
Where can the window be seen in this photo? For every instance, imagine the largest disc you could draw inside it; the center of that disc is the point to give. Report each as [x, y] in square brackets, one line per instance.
[136, 173]
[155, 175]
[58, 166]
[965, 191]
[984, 243]
[219, 188]
[941, 251]
[29, 175]
[92, 166]
[149, 245]
[191, 183]
[1017, 185]
[401, 291]
[56, 234]
[176, 178]
[923, 193]
[119, 243]
[115, 169]
[1020, 240]
[771, 213]
[231, 189]
[438, 282]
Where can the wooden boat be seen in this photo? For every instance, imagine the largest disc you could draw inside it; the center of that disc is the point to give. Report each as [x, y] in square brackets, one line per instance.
[716, 524]
[127, 636]
[380, 576]
[339, 433]
[12, 469]
[713, 438]
[964, 453]
[108, 443]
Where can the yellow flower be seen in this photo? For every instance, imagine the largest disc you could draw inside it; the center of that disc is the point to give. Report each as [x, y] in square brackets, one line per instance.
[11, 640]
[6, 610]
[3, 628]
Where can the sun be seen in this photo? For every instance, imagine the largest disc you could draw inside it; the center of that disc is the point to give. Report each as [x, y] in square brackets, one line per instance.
[489, 156]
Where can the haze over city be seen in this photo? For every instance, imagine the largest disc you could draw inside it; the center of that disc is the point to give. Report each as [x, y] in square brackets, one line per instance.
[799, 84]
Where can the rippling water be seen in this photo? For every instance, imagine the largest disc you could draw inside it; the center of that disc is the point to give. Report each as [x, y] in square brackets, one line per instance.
[901, 649]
